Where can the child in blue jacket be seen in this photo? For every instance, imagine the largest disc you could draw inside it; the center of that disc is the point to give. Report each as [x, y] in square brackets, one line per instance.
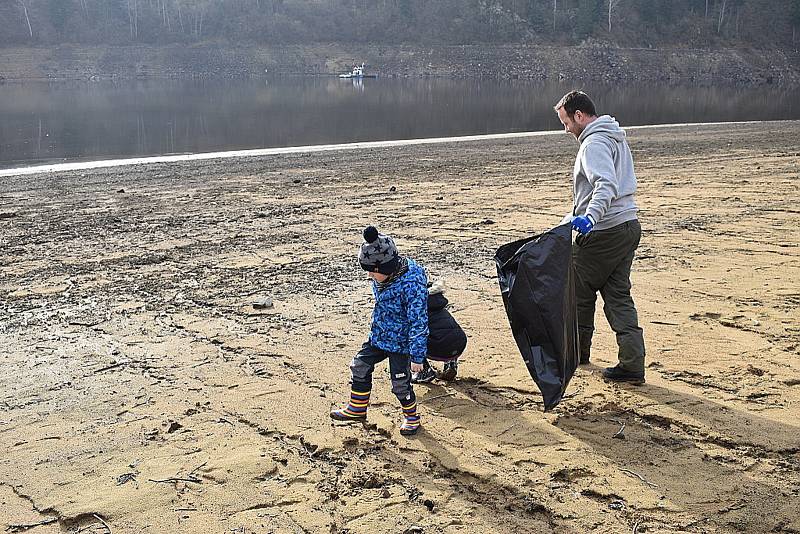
[399, 329]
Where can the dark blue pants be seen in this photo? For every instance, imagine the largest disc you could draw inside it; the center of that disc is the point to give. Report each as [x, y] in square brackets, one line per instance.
[399, 367]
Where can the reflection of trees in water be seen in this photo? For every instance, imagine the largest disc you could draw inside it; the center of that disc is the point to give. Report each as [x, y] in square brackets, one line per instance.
[76, 120]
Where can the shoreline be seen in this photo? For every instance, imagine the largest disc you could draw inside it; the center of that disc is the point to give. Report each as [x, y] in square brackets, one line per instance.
[140, 385]
[310, 149]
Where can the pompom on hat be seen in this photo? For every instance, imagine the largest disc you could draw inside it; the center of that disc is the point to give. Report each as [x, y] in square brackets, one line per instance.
[378, 252]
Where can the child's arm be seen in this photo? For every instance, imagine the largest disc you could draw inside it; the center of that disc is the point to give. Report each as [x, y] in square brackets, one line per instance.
[417, 316]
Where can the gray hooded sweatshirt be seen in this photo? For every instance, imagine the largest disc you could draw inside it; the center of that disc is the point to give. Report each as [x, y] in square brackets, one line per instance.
[603, 179]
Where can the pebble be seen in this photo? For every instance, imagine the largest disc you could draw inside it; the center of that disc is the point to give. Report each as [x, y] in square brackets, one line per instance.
[263, 303]
[174, 426]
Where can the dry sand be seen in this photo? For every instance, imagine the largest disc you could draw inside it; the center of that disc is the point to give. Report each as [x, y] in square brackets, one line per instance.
[141, 392]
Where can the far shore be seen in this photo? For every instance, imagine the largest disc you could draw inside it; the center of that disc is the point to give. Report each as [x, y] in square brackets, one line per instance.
[591, 62]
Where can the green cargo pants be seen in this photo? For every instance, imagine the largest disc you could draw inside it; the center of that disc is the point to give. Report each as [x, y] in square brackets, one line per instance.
[602, 260]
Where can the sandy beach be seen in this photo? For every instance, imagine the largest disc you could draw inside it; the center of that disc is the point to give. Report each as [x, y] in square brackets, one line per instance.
[141, 391]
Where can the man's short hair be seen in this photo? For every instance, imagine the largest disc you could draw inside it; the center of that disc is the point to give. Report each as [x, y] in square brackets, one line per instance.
[576, 101]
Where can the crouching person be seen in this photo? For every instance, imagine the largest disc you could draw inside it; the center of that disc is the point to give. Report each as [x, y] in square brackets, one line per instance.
[446, 338]
[399, 329]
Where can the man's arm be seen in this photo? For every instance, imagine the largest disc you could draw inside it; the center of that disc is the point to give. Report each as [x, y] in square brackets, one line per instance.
[598, 165]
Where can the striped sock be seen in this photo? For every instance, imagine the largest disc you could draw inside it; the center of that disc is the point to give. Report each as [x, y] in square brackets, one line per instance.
[410, 419]
[356, 408]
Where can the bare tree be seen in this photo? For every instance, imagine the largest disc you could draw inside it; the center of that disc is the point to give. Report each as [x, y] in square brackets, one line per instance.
[180, 17]
[612, 4]
[198, 15]
[721, 15]
[795, 14]
[555, 10]
[738, 17]
[165, 16]
[133, 18]
[27, 19]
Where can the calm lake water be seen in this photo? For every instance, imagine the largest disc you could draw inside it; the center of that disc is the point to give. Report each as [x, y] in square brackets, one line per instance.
[78, 121]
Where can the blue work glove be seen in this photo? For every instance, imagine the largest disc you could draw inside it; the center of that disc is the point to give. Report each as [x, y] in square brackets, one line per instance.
[583, 224]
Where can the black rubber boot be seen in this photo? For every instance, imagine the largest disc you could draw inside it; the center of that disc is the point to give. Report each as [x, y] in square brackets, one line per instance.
[618, 374]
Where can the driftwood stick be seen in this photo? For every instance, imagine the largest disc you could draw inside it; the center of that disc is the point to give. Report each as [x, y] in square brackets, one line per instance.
[23, 528]
[108, 367]
[103, 521]
[193, 471]
[640, 477]
[620, 433]
[177, 479]
[126, 410]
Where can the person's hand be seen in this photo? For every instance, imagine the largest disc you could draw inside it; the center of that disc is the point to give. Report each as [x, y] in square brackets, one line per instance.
[583, 224]
[417, 367]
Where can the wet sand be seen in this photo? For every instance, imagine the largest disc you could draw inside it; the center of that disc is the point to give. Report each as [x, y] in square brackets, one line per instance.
[141, 392]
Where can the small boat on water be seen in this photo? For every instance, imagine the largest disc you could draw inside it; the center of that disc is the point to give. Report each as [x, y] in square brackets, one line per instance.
[357, 72]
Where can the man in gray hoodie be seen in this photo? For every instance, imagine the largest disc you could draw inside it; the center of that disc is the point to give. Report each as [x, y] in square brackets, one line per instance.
[604, 215]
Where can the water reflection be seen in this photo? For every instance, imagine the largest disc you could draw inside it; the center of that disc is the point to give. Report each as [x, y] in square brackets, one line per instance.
[81, 121]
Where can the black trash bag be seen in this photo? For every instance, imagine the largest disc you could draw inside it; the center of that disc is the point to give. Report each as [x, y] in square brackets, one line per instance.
[537, 282]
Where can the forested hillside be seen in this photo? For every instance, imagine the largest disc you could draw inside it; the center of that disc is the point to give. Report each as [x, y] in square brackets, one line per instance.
[625, 23]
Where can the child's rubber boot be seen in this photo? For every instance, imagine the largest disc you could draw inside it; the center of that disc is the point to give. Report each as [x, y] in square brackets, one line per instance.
[410, 420]
[356, 409]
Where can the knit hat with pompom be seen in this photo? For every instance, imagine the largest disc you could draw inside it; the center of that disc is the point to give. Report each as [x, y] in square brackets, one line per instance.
[378, 253]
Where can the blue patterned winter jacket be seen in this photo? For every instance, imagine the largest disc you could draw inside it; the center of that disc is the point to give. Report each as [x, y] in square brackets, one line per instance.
[400, 317]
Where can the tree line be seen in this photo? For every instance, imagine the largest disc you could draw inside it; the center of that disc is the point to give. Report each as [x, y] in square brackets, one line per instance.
[645, 23]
